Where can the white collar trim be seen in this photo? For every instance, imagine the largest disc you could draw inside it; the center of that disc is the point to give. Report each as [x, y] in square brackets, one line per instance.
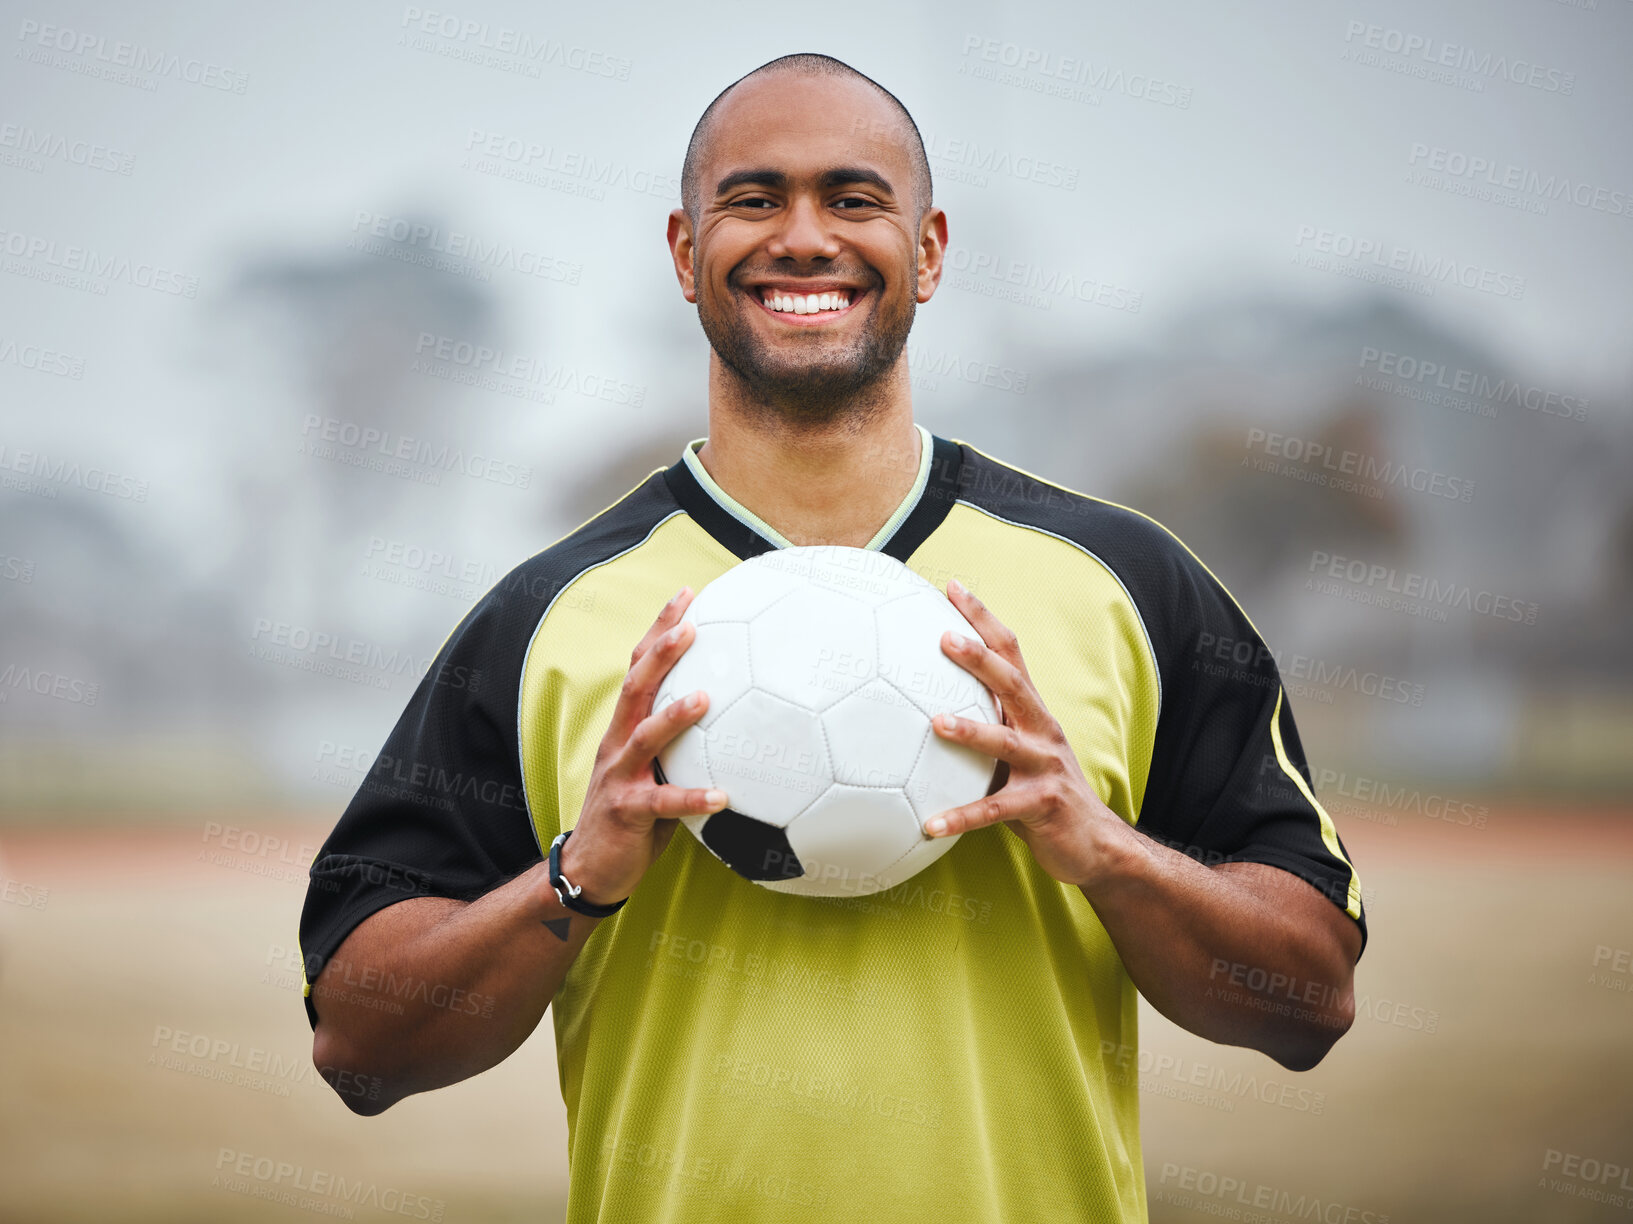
[755, 523]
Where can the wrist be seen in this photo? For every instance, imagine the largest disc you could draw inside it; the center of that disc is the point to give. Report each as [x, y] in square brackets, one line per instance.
[580, 868]
[1116, 855]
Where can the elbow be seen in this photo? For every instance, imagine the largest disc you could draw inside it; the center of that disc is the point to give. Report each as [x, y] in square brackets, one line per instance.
[365, 1094]
[1305, 1047]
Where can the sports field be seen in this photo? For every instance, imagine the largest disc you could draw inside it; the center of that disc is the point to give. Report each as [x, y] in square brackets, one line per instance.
[155, 1053]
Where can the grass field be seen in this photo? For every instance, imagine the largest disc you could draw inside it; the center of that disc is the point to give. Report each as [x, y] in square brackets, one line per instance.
[1490, 1077]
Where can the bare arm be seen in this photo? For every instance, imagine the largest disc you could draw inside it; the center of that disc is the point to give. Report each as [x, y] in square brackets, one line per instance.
[1241, 953]
[430, 991]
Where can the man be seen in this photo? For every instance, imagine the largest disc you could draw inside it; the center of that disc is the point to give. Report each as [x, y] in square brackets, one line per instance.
[960, 1047]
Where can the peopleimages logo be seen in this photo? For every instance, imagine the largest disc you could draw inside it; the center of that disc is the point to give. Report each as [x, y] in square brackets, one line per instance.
[1436, 383]
[1224, 1196]
[1425, 53]
[1506, 176]
[979, 270]
[1348, 470]
[1032, 67]
[40, 359]
[1396, 798]
[90, 268]
[1402, 262]
[482, 42]
[38, 472]
[1243, 660]
[457, 245]
[402, 455]
[1384, 581]
[31, 143]
[983, 159]
[92, 54]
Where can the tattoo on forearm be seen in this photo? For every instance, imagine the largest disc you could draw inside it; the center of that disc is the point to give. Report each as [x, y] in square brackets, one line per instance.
[559, 927]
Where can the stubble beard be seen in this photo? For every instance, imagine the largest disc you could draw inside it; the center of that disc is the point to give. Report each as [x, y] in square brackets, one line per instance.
[811, 382]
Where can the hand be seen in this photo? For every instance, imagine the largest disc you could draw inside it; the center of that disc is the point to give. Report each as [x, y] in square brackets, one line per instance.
[628, 816]
[1038, 789]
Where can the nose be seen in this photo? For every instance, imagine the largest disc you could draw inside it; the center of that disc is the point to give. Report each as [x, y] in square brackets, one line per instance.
[806, 232]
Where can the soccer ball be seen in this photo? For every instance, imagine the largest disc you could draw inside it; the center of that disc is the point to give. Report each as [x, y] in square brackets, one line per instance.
[823, 667]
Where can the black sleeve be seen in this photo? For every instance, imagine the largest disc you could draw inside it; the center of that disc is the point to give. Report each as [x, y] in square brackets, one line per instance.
[1228, 779]
[442, 812]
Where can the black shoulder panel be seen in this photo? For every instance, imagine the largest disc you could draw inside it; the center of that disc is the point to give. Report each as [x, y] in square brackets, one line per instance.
[442, 811]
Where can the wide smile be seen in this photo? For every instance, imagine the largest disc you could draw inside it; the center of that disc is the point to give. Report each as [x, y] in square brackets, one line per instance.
[795, 309]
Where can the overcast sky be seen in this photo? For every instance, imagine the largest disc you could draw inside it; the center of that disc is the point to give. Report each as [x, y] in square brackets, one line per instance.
[1165, 154]
[1203, 141]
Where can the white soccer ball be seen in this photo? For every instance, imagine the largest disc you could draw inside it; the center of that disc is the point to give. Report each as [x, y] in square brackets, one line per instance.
[823, 667]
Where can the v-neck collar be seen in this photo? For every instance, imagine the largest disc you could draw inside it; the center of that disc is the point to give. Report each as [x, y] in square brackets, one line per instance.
[746, 534]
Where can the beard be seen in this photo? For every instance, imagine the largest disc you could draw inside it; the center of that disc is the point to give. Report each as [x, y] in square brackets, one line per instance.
[810, 378]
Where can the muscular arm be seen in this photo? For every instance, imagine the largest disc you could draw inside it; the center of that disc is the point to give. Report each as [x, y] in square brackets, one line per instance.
[1240, 953]
[430, 991]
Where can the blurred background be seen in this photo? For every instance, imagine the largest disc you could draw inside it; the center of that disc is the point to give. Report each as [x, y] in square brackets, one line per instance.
[314, 323]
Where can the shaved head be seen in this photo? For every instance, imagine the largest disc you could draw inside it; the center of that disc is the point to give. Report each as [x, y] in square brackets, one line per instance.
[805, 64]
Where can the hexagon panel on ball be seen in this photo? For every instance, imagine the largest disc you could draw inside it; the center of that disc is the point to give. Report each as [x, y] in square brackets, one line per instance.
[768, 755]
[812, 647]
[911, 657]
[717, 663]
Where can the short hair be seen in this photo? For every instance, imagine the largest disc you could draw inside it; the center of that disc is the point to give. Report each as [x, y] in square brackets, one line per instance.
[801, 64]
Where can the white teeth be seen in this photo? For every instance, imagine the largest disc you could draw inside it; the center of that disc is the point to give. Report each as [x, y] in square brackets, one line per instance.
[809, 303]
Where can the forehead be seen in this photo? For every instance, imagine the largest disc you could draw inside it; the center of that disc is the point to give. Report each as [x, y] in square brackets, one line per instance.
[801, 124]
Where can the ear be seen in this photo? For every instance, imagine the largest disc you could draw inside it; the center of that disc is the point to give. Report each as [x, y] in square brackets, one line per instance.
[680, 250]
[932, 251]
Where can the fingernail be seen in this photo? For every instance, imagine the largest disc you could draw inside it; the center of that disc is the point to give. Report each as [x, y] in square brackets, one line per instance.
[958, 587]
[950, 721]
[935, 826]
[695, 700]
[960, 642]
[715, 798]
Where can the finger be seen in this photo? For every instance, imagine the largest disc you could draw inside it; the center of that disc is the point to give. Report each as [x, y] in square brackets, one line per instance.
[1008, 682]
[997, 635]
[995, 740]
[668, 617]
[649, 664]
[1001, 805]
[673, 801]
[654, 732]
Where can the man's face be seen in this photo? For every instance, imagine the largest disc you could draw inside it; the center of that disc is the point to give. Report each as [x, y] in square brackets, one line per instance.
[806, 188]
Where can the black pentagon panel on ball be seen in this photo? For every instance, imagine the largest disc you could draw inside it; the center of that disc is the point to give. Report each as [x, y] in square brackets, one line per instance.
[753, 849]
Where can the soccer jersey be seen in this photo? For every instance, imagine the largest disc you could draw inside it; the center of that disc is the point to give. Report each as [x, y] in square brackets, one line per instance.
[954, 1048]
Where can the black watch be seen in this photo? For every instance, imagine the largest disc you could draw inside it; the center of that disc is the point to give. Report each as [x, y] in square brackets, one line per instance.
[567, 893]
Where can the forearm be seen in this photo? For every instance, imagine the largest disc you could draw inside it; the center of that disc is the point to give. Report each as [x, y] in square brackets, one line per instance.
[431, 991]
[1230, 952]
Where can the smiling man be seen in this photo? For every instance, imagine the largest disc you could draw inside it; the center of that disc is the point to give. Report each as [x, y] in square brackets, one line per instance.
[963, 1046]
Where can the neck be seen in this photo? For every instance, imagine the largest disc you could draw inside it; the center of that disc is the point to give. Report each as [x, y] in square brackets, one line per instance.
[817, 482]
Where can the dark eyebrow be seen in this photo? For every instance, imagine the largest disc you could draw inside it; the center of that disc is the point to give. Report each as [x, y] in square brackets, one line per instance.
[841, 176]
